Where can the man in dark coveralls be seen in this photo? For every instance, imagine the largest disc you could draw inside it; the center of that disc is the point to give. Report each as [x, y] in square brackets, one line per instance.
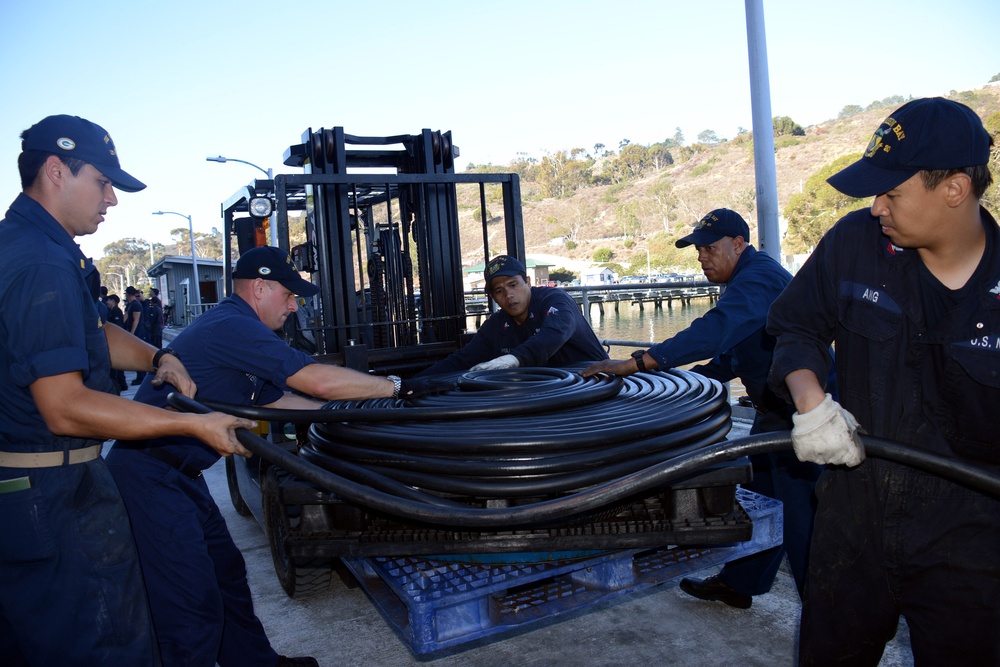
[195, 575]
[909, 290]
[535, 326]
[732, 336]
[71, 591]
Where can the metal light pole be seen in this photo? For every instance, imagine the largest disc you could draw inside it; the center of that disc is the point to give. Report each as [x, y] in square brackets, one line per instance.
[219, 158]
[121, 280]
[194, 257]
[763, 132]
[270, 176]
[128, 274]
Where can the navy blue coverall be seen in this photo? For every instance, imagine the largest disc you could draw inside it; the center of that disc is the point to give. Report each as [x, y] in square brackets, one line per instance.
[71, 590]
[732, 336]
[555, 334]
[195, 575]
[889, 539]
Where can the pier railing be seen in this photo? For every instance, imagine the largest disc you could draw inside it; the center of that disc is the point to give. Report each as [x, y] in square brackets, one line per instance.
[641, 294]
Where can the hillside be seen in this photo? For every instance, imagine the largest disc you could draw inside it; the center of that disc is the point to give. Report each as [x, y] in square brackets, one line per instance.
[674, 197]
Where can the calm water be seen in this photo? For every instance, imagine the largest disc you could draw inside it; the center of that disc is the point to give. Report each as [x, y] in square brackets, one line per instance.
[630, 323]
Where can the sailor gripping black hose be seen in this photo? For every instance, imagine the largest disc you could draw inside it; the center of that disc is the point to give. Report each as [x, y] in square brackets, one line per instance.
[580, 465]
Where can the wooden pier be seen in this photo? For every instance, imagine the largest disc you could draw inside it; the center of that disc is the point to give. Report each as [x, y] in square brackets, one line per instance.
[588, 296]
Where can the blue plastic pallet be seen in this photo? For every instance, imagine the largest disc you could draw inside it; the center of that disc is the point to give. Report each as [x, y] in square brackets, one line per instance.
[436, 604]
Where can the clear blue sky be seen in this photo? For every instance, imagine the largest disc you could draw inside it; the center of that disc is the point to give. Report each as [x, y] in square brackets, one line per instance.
[174, 82]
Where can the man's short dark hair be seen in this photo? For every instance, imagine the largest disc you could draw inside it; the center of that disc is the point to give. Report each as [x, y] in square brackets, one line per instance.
[29, 164]
[980, 176]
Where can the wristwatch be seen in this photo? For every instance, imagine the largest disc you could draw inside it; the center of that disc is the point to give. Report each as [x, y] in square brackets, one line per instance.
[637, 355]
[159, 355]
[397, 384]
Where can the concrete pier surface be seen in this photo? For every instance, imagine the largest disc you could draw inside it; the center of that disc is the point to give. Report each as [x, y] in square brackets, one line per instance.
[657, 626]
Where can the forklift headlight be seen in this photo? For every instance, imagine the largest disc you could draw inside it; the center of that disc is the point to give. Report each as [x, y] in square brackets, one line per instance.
[260, 207]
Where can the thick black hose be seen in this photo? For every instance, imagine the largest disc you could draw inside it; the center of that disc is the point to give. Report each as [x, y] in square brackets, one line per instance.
[584, 502]
[560, 389]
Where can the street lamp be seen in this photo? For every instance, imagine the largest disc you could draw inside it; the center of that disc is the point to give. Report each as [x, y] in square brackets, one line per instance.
[121, 280]
[270, 176]
[232, 159]
[194, 258]
[128, 273]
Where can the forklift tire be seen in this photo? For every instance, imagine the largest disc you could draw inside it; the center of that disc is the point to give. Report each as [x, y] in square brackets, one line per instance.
[299, 577]
[234, 489]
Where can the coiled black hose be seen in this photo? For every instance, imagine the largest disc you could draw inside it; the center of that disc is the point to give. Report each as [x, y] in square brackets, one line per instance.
[541, 461]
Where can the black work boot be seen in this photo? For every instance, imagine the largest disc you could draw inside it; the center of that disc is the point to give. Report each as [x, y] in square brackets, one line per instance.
[302, 661]
[715, 589]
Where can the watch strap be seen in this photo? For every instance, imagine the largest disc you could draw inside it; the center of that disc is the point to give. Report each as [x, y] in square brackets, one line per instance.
[397, 384]
[159, 355]
[639, 361]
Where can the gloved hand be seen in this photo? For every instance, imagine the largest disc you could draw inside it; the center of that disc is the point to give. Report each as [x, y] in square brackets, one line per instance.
[506, 361]
[828, 434]
[415, 387]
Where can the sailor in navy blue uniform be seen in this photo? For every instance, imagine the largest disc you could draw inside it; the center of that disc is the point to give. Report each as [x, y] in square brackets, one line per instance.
[535, 326]
[195, 575]
[732, 337]
[71, 591]
[909, 291]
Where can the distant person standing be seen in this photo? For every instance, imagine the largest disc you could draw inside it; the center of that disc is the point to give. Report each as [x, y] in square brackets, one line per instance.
[155, 313]
[134, 313]
[116, 318]
[102, 308]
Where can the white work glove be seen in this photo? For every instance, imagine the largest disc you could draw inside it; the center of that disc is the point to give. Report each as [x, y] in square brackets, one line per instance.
[506, 361]
[828, 434]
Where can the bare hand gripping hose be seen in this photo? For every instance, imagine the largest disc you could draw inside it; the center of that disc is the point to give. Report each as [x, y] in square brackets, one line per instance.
[553, 467]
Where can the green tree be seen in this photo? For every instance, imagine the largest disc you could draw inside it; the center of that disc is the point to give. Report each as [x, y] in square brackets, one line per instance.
[632, 160]
[629, 218]
[814, 210]
[891, 101]
[662, 195]
[126, 261]
[563, 275]
[562, 173]
[602, 255]
[678, 137]
[784, 125]
[850, 110]
[709, 137]
[658, 155]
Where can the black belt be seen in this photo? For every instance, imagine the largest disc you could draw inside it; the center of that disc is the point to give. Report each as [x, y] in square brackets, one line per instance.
[162, 454]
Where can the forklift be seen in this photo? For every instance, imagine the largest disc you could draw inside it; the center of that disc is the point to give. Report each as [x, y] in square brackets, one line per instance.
[378, 224]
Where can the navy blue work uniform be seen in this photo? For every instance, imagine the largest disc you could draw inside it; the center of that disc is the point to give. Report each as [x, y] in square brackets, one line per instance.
[732, 336]
[71, 590]
[195, 575]
[132, 308]
[918, 364]
[555, 334]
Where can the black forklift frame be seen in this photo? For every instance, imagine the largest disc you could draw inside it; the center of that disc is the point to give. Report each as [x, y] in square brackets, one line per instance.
[374, 312]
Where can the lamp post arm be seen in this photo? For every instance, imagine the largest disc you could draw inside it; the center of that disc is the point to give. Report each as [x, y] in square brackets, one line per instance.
[232, 159]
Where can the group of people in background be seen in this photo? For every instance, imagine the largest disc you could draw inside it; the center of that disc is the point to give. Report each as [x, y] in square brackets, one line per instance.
[141, 317]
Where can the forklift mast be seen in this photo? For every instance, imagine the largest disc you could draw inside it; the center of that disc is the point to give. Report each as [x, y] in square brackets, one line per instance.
[383, 219]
